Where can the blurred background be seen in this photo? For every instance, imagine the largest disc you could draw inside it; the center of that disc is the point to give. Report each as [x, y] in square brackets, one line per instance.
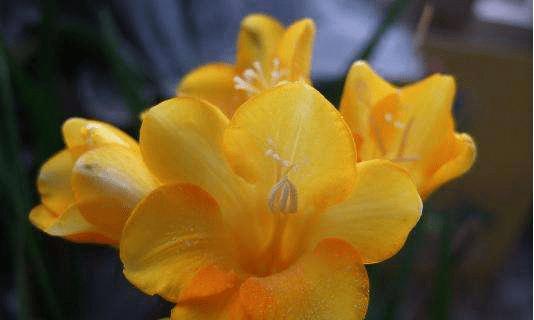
[470, 257]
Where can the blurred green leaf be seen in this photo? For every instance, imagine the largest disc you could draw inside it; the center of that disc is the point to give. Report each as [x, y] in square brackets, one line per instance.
[13, 175]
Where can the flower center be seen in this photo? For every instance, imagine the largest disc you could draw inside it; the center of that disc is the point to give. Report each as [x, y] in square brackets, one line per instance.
[282, 200]
[283, 197]
[403, 128]
[254, 80]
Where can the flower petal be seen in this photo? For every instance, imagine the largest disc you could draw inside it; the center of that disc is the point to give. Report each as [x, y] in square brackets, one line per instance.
[215, 84]
[378, 216]
[224, 306]
[330, 283]
[181, 141]
[295, 49]
[108, 182]
[257, 41]
[53, 182]
[70, 225]
[362, 91]
[296, 124]
[463, 157]
[172, 234]
[79, 132]
[430, 104]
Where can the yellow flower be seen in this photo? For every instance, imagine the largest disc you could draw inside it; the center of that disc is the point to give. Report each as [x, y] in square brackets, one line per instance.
[266, 215]
[267, 55]
[412, 125]
[89, 189]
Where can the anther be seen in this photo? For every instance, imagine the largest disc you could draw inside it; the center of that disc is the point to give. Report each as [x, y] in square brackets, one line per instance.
[399, 125]
[283, 197]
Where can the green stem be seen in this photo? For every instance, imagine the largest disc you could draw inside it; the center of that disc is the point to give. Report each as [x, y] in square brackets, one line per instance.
[19, 194]
[393, 12]
[442, 291]
[401, 278]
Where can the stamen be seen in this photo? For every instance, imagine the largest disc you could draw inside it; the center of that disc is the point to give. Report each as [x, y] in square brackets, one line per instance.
[283, 197]
[378, 135]
[388, 117]
[253, 80]
[249, 74]
[89, 133]
[404, 139]
[399, 125]
[241, 84]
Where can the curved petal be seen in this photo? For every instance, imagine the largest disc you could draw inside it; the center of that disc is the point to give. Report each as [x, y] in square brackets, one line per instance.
[215, 84]
[174, 233]
[220, 307]
[295, 49]
[108, 182]
[257, 41]
[330, 283]
[379, 214]
[83, 133]
[363, 89]
[70, 225]
[53, 182]
[181, 141]
[464, 156]
[429, 105]
[293, 131]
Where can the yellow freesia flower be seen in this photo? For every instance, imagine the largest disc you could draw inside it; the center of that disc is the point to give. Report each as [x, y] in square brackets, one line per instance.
[267, 55]
[266, 215]
[89, 189]
[412, 125]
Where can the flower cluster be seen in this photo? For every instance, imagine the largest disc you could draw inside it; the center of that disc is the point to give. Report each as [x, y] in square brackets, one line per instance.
[249, 195]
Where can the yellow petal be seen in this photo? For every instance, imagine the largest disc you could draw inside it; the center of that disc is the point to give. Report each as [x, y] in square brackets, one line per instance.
[53, 182]
[363, 89]
[295, 49]
[379, 214]
[296, 124]
[257, 41]
[222, 307]
[213, 83]
[70, 225]
[330, 283]
[83, 133]
[464, 155]
[108, 182]
[429, 104]
[172, 234]
[181, 141]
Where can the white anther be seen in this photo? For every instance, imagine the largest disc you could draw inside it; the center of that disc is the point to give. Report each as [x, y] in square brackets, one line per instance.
[283, 197]
[253, 80]
[269, 152]
[276, 63]
[257, 66]
[388, 117]
[250, 74]
[286, 163]
[399, 125]
[89, 132]
[276, 156]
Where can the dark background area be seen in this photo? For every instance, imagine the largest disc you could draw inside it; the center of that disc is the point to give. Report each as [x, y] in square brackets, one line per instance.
[470, 257]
